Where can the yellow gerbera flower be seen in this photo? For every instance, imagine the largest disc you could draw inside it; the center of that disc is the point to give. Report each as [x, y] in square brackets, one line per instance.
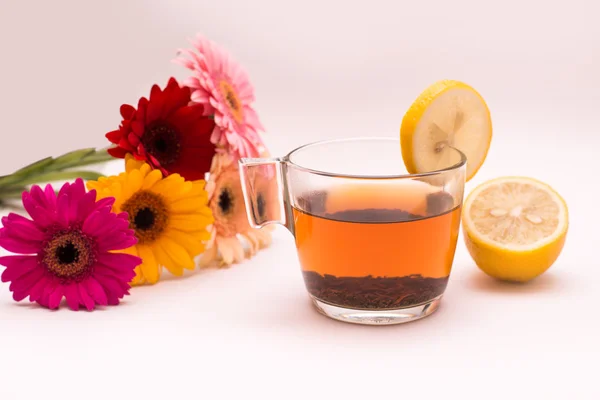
[170, 217]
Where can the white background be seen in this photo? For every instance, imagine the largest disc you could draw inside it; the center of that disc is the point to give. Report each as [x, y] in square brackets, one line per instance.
[321, 69]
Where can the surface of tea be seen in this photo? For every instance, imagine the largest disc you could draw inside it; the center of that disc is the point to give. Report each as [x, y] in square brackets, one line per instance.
[376, 258]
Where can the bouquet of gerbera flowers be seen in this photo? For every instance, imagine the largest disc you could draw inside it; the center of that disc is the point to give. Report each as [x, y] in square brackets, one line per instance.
[177, 203]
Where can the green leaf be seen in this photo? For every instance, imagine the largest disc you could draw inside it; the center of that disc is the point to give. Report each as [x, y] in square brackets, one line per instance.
[48, 167]
[9, 180]
[60, 176]
[29, 169]
[44, 162]
[72, 158]
[96, 158]
[93, 157]
[14, 192]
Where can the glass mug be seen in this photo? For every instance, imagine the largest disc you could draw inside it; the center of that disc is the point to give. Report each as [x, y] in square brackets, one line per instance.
[375, 243]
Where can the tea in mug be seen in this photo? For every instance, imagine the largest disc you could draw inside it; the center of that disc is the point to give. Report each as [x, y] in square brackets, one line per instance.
[377, 247]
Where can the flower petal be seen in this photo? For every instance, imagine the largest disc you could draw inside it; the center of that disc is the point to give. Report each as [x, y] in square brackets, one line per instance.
[99, 224]
[252, 241]
[94, 226]
[72, 295]
[50, 197]
[107, 274]
[186, 116]
[17, 245]
[189, 222]
[177, 253]
[127, 111]
[151, 179]
[49, 288]
[87, 301]
[62, 210]
[252, 119]
[19, 295]
[86, 205]
[133, 182]
[113, 289]
[117, 152]
[166, 261]
[155, 105]
[26, 281]
[188, 242]
[96, 291]
[76, 194]
[55, 297]
[115, 241]
[192, 82]
[16, 266]
[150, 269]
[106, 202]
[37, 211]
[37, 290]
[22, 228]
[138, 129]
[43, 217]
[231, 249]
[42, 198]
[187, 205]
[119, 261]
[114, 136]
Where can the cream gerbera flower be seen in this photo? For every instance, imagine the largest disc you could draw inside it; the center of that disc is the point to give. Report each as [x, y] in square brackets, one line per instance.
[170, 217]
[232, 239]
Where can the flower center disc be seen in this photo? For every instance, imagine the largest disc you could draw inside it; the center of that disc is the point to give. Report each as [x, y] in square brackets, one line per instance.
[68, 255]
[148, 215]
[232, 100]
[261, 205]
[227, 205]
[225, 201]
[162, 142]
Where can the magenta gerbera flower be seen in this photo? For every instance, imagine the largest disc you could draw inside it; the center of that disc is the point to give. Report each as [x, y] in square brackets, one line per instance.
[67, 249]
[223, 87]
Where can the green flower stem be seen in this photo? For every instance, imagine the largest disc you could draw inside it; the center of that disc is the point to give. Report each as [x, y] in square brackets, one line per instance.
[49, 169]
[12, 193]
[60, 176]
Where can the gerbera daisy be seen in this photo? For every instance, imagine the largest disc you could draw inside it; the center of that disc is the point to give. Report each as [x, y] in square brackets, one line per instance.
[67, 249]
[167, 132]
[168, 214]
[223, 87]
[231, 229]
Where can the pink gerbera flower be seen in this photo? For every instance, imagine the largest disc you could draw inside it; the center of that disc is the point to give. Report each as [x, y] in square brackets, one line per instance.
[223, 87]
[66, 249]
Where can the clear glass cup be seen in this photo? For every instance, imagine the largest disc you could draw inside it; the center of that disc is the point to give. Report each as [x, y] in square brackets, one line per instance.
[375, 243]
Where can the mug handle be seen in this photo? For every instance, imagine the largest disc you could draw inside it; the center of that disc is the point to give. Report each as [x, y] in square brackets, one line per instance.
[266, 192]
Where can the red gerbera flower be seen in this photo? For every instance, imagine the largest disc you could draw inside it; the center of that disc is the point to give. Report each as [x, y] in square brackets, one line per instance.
[167, 132]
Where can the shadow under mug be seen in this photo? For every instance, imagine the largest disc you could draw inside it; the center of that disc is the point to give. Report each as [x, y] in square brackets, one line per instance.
[375, 243]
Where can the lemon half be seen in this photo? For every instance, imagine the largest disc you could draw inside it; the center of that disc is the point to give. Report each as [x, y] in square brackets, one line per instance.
[514, 227]
[449, 114]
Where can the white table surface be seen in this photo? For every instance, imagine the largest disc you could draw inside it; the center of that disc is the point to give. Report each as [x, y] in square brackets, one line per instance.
[251, 330]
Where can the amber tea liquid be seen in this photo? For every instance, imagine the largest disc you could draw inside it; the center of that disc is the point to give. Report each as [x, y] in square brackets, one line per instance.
[375, 249]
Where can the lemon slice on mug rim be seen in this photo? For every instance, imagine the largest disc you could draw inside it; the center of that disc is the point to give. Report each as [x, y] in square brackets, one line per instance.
[448, 115]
